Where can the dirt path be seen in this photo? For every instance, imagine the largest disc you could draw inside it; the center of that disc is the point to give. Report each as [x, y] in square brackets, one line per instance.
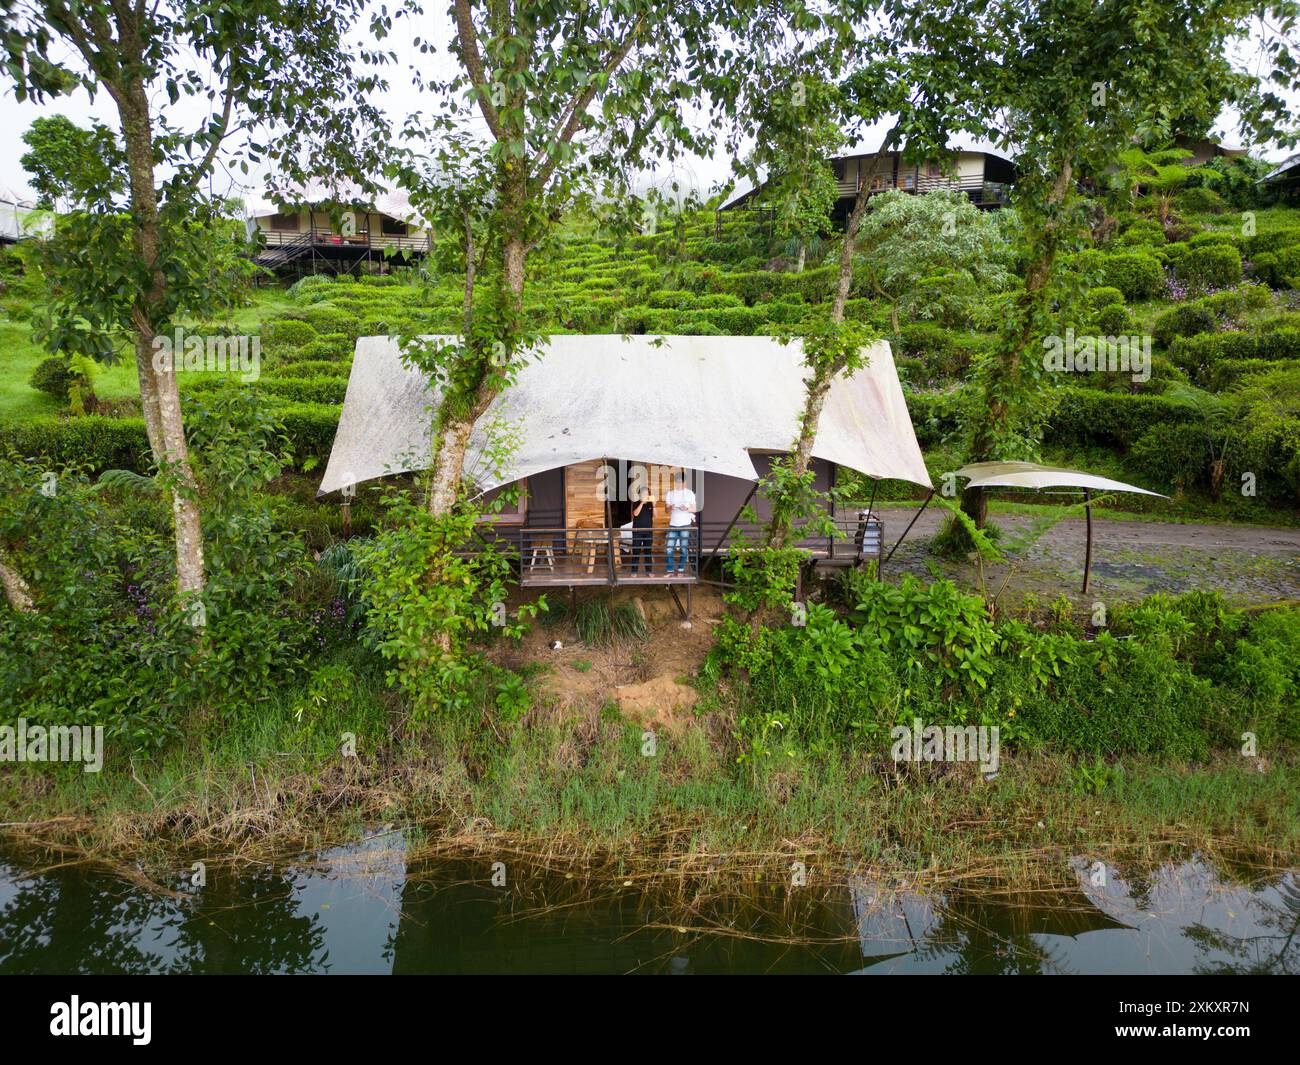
[1256, 538]
[1131, 559]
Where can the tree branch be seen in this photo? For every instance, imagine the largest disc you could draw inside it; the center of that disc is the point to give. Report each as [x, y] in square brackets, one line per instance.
[219, 136]
[473, 60]
[571, 121]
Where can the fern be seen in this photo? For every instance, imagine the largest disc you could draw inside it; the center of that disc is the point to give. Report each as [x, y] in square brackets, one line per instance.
[127, 481]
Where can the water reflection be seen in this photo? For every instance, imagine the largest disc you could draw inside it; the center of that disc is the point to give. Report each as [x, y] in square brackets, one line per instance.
[361, 910]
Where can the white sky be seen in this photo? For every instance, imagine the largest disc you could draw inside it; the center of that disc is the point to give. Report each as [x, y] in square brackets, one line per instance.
[402, 98]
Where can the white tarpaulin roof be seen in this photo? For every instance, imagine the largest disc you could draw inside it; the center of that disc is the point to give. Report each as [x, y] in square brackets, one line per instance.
[693, 401]
[1032, 475]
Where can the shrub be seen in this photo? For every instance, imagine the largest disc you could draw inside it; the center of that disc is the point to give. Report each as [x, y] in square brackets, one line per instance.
[1217, 236]
[1200, 200]
[1109, 419]
[1142, 232]
[1136, 274]
[1280, 268]
[1182, 320]
[1269, 448]
[328, 346]
[923, 340]
[326, 318]
[52, 376]
[1198, 353]
[94, 443]
[1224, 374]
[1174, 456]
[309, 368]
[1114, 319]
[1264, 664]
[674, 298]
[1235, 301]
[1272, 240]
[1178, 716]
[1211, 266]
[1103, 296]
[325, 390]
[286, 334]
[936, 629]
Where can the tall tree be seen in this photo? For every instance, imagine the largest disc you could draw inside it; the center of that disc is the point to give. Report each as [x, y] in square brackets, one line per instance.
[573, 96]
[849, 55]
[72, 167]
[275, 72]
[1065, 86]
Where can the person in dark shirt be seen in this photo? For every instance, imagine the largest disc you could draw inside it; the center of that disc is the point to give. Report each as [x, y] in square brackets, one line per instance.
[643, 520]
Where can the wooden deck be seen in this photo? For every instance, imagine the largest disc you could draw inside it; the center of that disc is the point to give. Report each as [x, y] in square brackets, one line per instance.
[591, 556]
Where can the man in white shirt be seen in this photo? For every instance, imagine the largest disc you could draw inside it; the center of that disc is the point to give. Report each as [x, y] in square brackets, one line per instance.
[681, 516]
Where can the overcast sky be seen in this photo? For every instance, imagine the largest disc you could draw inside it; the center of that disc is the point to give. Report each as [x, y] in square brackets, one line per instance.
[401, 99]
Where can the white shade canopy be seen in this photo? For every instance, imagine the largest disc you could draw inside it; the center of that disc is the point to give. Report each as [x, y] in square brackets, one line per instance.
[698, 402]
[1032, 475]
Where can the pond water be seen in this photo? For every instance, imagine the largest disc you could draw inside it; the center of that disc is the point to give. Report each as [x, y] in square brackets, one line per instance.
[365, 909]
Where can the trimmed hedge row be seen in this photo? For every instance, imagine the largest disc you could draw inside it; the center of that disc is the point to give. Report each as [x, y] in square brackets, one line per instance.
[1223, 375]
[1196, 354]
[1083, 417]
[120, 443]
[327, 390]
[1110, 419]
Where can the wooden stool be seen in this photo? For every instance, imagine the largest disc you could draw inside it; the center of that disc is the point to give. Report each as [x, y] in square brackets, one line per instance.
[585, 544]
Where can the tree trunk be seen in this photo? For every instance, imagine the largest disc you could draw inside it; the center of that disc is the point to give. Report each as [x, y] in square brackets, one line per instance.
[159, 392]
[17, 591]
[802, 260]
[1010, 365]
[469, 272]
[818, 388]
[819, 385]
[455, 430]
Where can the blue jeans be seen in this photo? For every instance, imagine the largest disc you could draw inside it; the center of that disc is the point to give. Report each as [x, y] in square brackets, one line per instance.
[679, 539]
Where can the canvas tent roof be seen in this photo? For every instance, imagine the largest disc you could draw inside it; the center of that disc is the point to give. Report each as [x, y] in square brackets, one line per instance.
[692, 401]
[1032, 475]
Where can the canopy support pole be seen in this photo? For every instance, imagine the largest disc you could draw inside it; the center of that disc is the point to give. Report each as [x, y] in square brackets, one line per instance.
[909, 528]
[1087, 551]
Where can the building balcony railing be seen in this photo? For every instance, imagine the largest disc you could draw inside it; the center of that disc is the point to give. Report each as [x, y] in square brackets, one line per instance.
[974, 185]
[576, 555]
[324, 237]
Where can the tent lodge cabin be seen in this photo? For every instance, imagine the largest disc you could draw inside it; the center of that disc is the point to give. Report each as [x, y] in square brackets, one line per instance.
[313, 239]
[20, 218]
[972, 168]
[596, 420]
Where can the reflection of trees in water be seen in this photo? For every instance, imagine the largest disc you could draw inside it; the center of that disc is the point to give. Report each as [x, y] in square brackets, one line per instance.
[253, 924]
[72, 920]
[992, 932]
[60, 922]
[1273, 945]
[992, 937]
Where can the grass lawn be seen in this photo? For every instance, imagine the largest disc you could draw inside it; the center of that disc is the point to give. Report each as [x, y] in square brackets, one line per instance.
[19, 356]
